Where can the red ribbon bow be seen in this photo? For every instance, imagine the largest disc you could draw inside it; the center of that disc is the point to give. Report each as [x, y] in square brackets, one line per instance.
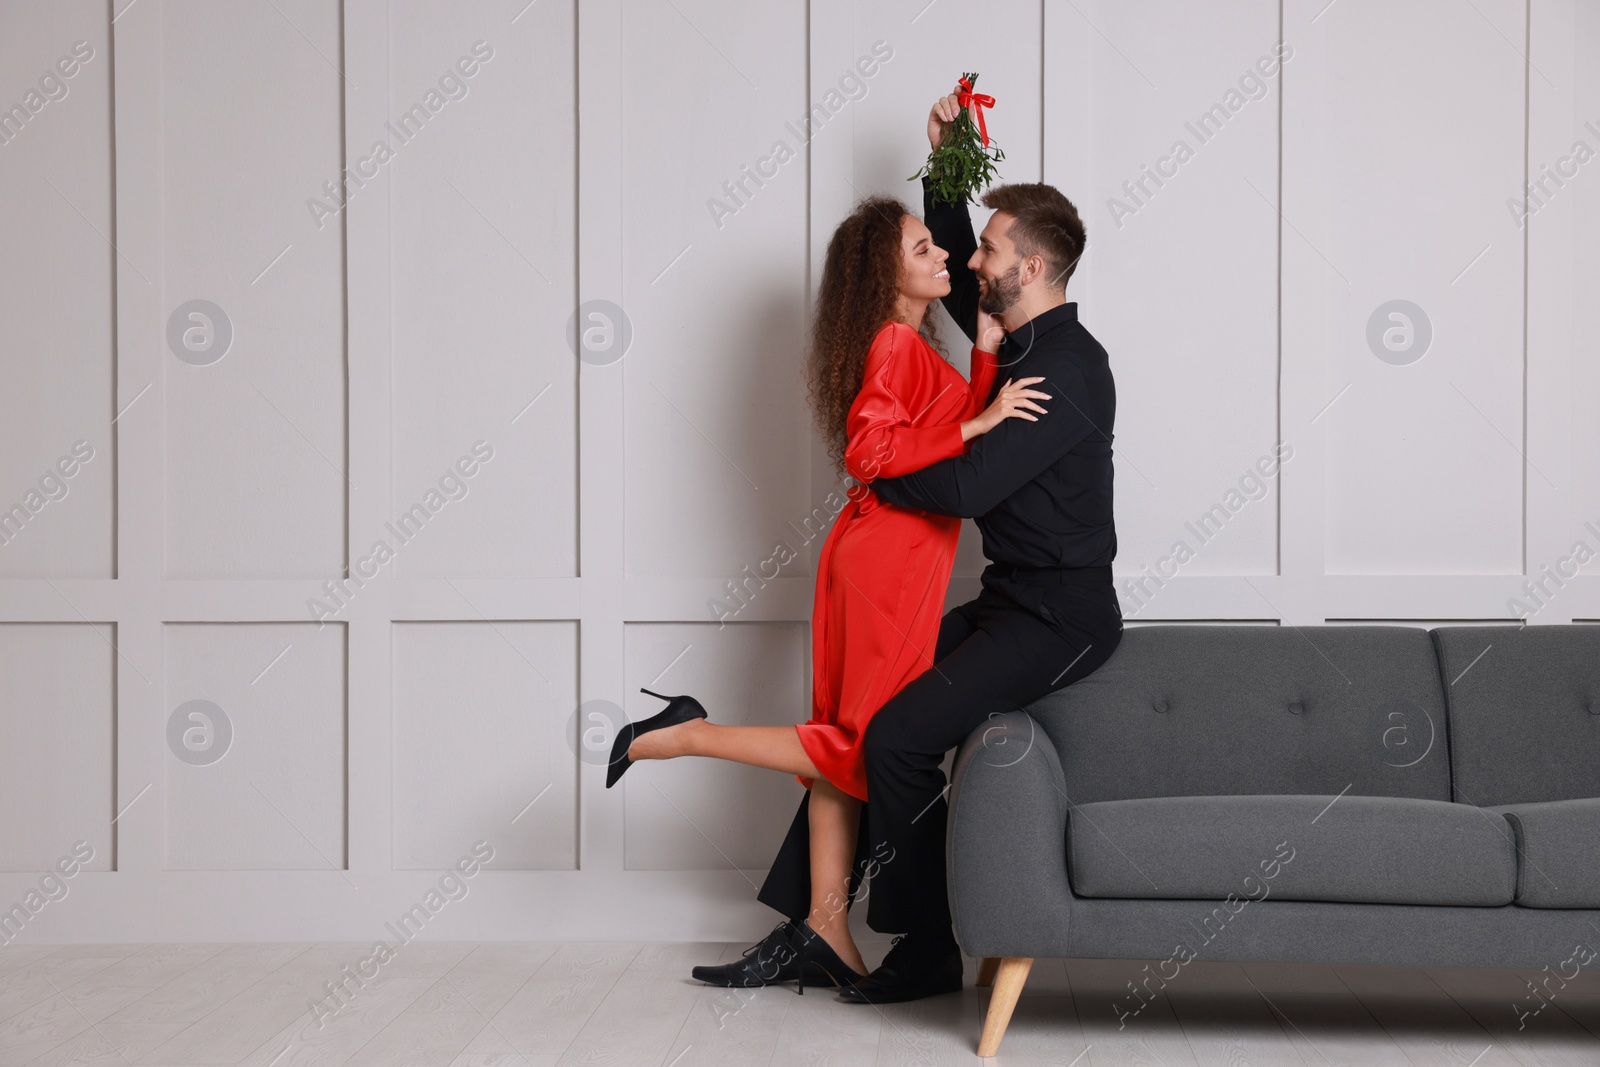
[977, 101]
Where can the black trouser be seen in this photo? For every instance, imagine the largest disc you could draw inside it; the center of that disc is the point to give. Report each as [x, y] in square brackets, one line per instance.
[1027, 634]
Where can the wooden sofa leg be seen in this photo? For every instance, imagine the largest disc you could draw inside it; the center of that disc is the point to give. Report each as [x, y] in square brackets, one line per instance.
[1008, 982]
[986, 970]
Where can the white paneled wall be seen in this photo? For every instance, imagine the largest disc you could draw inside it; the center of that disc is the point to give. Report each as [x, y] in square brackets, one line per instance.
[253, 443]
[468, 739]
[278, 802]
[1420, 478]
[57, 316]
[325, 557]
[1568, 263]
[717, 301]
[57, 736]
[1178, 140]
[482, 245]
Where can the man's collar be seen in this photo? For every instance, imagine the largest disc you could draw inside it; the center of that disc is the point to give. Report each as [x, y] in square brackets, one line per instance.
[1024, 337]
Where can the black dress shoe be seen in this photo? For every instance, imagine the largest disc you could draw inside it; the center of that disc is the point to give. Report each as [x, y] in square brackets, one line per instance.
[678, 709]
[789, 954]
[770, 961]
[917, 966]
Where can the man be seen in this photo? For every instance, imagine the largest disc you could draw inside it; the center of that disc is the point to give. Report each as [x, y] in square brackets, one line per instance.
[1041, 492]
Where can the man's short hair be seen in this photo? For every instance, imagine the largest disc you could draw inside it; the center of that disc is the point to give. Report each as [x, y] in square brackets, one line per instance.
[1046, 224]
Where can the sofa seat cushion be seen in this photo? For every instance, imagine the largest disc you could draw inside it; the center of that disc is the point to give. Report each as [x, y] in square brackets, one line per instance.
[1357, 849]
[1558, 847]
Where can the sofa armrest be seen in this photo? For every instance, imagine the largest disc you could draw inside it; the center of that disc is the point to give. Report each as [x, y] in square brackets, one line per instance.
[1006, 841]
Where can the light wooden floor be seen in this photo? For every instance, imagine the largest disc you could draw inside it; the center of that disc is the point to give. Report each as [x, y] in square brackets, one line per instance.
[633, 1005]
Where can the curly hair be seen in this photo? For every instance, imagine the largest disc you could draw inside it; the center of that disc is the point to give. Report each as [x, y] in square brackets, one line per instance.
[860, 284]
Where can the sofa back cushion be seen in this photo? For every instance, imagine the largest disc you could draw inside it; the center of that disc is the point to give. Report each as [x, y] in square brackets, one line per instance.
[1524, 711]
[1192, 710]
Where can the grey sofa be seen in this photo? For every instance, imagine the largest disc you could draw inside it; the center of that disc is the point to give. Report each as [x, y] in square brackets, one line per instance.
[1322, 794]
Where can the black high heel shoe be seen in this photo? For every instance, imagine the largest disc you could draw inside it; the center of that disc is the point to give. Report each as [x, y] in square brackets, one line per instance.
[815, 952]
[678, 709]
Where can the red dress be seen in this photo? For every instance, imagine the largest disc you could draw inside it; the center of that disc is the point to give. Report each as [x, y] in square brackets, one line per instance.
[883, 570]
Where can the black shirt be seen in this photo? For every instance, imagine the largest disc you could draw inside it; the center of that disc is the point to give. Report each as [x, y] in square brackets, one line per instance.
[1040, 491]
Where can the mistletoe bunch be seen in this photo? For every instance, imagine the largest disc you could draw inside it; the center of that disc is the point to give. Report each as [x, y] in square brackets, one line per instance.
[964, 161]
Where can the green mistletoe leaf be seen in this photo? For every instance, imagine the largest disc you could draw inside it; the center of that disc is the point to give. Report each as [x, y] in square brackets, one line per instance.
[961, 165]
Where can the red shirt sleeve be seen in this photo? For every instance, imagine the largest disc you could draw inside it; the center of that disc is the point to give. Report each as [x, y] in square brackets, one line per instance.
[882, 442]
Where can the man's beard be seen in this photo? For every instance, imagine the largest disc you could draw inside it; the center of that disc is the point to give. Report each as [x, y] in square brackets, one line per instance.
[998, 296]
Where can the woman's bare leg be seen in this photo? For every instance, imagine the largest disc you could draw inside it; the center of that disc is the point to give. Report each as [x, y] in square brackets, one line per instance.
[834, 818]
[777, 748]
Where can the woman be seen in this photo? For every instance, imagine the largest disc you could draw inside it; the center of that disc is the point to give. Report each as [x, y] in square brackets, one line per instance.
[887, 405]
